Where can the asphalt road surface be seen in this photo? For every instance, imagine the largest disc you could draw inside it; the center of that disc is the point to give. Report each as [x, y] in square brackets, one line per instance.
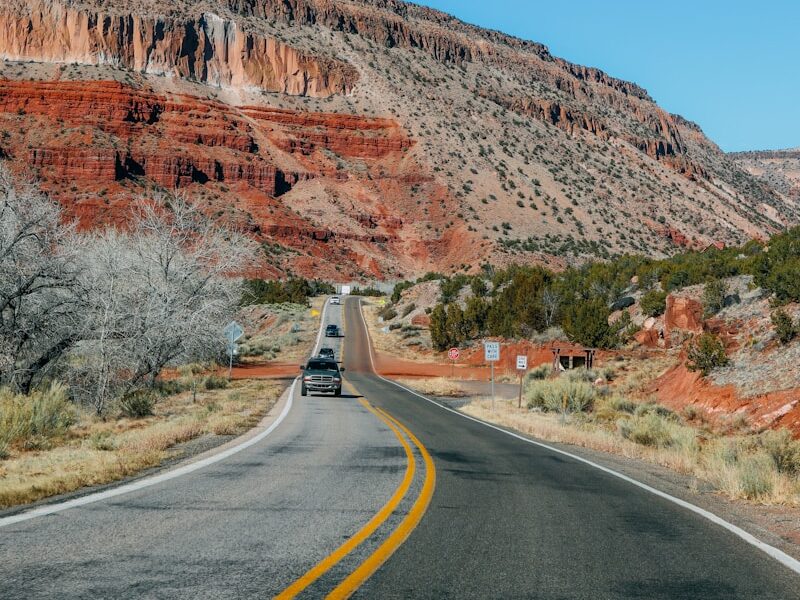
[339, 491]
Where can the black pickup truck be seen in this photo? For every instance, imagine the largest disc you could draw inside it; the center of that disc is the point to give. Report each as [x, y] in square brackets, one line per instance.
[321, 375]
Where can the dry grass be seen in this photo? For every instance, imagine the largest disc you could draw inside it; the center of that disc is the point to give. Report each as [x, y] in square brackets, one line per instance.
[95, 452]
[436, 386]
[757, 468]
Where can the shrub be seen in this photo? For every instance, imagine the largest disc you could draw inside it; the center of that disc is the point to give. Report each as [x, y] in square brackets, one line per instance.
[620, 404]
[653, 303]
[138, 404]
[587, 323]
[215, 382]
[553, 395]
[785, 328]
[714, 297]
[784, 450]
[387, 313]
[539, 373]
[648, 429]
[43, 414]
[756, 475]
[652, 408]
[409, 309]
[706, 354]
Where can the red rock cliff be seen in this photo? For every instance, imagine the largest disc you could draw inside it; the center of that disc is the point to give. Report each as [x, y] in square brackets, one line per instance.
[205, 48]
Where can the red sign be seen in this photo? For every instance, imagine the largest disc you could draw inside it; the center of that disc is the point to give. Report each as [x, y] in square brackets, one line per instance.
[453, 353]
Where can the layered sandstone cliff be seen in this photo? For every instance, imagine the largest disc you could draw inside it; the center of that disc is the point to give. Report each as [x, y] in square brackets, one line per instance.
[205, 48]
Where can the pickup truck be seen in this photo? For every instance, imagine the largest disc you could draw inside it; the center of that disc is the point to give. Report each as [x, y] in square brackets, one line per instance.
[321, 375]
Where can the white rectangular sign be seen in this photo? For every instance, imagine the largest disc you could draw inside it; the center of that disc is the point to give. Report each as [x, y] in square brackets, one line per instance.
[345, 290]
[522, 362]
[491, 351]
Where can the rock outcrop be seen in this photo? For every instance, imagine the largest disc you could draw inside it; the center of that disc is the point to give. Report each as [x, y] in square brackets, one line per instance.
[684, 314]
[205, 48]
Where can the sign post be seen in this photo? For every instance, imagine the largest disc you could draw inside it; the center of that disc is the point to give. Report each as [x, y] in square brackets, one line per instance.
[233, 331]
[522, 366]
[491, 352]
[453, 355]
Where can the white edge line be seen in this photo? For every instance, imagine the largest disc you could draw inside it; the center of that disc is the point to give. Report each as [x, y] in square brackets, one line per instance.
[772, 551]
[155, 479]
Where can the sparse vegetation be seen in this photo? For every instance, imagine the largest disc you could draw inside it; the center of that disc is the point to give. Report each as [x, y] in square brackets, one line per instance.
[785, 327]
[705, 354]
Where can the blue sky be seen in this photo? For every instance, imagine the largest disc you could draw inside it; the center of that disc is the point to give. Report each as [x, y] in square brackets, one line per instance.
[733, 67]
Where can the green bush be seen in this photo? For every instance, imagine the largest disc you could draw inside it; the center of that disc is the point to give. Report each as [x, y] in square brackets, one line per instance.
[539, 373]
[554, 394]
[294, 290]
[586, 323]
[387, 313]
[714, 297]
[138, 403]
[706, 354]
[653, 303]
[409, 309]
[785, 328]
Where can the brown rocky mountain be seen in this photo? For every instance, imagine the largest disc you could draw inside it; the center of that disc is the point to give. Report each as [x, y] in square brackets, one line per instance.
[360, 138]
[779, 169]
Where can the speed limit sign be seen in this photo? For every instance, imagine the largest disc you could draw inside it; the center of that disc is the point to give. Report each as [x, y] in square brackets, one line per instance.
[453, 353]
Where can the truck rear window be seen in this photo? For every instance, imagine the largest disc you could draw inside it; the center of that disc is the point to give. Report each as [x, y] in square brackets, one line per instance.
[322, 365]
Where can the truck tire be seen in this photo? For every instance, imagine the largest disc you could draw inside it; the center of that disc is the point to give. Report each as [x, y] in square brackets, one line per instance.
[338, 392]
[303, 390]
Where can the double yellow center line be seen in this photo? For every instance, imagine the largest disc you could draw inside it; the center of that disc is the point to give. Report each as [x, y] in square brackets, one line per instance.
[371, 564]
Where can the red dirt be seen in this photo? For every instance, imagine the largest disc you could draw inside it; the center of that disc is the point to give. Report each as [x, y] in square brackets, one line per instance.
[680, 387]
[273, 370]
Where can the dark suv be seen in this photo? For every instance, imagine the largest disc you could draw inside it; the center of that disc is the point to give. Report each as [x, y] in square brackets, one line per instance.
[321, 375]
[326, 353]
[331, 331]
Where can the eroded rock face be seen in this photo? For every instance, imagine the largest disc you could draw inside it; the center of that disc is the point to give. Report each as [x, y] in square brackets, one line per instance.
[204, 48]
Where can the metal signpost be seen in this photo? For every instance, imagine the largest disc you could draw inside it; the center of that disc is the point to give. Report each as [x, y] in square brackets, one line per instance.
[453, 355]
[522, 366]
[491, 352]
[233, 331]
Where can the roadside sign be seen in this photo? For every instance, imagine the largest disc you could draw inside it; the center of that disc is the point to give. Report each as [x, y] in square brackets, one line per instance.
[233, 331]
[345, 290]
[453, 354]
[491, 352]
[522, 366]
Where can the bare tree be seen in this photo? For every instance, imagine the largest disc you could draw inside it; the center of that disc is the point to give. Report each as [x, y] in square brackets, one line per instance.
[551, 300]
[157, 295]
[38, 318]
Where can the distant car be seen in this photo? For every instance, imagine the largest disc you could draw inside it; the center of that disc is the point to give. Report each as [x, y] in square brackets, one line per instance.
[336, 300]
[321, 375]
[326, 353]
[331, 331]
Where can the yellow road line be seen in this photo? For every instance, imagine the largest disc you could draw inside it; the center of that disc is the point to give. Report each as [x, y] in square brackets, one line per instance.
[399, 535]
[380, 517]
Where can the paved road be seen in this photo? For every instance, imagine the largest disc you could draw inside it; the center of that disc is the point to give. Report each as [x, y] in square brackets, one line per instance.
[507, 519]
[245, 527]
[512, 520]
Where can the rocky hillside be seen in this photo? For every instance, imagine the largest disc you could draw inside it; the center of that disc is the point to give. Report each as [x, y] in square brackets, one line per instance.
[360, 139]
[780, 169]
